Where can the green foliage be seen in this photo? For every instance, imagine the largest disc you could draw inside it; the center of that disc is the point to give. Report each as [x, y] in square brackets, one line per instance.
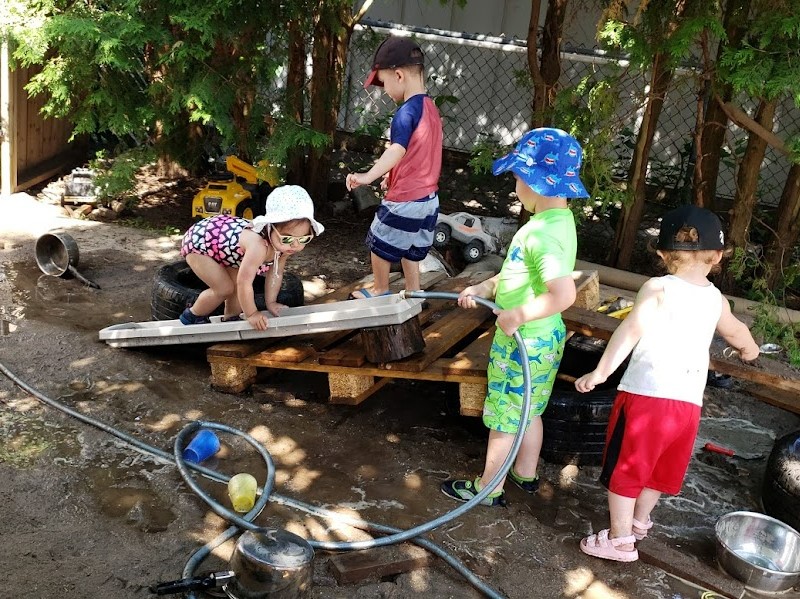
[373, 124]
[290, 135]
[656, 29]
[588, 111]
[169, 75]
[748, 267]
[115, 178]
[767, 63]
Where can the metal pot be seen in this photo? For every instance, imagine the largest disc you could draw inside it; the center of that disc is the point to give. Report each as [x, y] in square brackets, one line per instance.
[762, 552]
[274, 564]
[55, 253]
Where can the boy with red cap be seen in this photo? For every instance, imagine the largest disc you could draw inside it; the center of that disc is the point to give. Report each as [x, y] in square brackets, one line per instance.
[402, 230]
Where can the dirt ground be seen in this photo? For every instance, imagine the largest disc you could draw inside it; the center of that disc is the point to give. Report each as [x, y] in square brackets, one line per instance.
[85, 516]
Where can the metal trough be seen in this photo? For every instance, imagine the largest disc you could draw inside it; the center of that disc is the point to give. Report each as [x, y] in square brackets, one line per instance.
[318, 318]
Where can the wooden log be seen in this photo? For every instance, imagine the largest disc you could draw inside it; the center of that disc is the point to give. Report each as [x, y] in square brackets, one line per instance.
[393, 342]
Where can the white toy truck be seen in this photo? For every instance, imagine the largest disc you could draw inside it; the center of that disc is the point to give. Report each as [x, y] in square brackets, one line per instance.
[465, 229]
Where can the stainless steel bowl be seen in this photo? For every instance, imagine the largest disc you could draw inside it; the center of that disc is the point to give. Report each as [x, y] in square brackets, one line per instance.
[762, 552]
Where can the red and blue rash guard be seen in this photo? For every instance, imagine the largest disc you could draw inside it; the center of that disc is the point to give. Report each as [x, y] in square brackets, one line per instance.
[417, 127]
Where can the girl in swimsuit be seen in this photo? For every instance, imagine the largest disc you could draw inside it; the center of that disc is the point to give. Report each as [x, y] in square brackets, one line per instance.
[227, 252]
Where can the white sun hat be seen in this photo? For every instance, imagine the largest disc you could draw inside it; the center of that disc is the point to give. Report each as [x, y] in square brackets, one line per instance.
[285, 203]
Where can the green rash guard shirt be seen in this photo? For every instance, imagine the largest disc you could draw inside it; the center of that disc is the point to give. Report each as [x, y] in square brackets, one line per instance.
[542, 250]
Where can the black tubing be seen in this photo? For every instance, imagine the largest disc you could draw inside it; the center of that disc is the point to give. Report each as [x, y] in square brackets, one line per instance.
[394, 535]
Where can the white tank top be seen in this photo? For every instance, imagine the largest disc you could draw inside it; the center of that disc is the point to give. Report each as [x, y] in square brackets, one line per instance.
[671, 359]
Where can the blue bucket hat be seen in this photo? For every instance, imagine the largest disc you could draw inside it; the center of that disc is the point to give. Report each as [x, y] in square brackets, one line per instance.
[548, 161]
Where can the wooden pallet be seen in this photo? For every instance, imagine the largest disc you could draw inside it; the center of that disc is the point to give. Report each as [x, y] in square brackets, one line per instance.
[456, 349]
[351, 378]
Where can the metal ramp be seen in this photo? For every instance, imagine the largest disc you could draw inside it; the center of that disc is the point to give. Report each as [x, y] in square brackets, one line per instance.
[318, 318]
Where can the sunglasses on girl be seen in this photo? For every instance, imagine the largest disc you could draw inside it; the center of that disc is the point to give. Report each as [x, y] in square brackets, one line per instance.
[290, 239]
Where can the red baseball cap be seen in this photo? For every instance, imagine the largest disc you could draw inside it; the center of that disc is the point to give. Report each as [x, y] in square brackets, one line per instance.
[392, 53]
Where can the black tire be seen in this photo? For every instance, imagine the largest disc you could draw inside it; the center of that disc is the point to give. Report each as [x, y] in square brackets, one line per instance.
[441, 236]
[780, 491]
[575, 423]
[473, 251]
[247, 209]
[578, 458]
[175, 286]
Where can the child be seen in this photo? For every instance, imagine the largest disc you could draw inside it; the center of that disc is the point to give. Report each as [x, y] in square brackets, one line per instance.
[227, 252]
[656, 414]
[402, 230]
[532, 289]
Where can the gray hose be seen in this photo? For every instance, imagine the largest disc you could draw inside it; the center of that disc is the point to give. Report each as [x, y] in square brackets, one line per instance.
[393, 535]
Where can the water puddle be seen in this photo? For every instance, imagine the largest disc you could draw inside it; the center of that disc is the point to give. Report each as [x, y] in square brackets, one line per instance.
[66, 302]
[125, 491]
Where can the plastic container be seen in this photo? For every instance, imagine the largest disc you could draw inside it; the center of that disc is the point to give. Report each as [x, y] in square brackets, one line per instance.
[242, 491]
[202, 446]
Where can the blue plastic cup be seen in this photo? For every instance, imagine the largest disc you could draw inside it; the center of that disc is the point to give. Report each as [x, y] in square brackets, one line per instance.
[204, 445]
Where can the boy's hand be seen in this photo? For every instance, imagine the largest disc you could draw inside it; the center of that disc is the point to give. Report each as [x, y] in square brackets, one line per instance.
[589, 381]
[385, 182]
[465, 298]
[508, 321]
[749, 353]
[354, 180]
[257, 321]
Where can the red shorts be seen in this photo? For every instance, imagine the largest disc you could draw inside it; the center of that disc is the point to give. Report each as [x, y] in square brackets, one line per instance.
[649, 443]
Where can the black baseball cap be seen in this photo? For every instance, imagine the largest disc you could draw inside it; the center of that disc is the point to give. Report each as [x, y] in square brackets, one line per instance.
[705, 222]
[392, 53]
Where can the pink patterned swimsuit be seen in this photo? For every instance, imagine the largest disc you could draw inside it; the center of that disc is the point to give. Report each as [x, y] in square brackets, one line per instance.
[218, 238]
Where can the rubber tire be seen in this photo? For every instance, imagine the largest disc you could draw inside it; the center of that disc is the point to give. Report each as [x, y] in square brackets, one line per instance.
[441, 236]
[247, 209]
[473, 251]
[575, 423]
[175, 286]
[780, 491]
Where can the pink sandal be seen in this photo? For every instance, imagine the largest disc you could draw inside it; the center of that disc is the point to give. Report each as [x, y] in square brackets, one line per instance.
[601, 546]
[645, 527]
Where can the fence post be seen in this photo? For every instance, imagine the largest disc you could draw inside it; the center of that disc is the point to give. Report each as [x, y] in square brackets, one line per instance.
[8, 158]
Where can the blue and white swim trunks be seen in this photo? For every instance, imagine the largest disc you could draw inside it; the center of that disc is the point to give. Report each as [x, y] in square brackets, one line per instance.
[403, 229]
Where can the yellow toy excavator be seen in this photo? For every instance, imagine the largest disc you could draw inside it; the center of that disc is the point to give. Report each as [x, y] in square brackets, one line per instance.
[240, 190]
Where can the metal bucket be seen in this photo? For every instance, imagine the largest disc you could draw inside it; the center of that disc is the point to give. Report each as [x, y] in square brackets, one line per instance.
[274, 564]
[56, 252]
[762, 552]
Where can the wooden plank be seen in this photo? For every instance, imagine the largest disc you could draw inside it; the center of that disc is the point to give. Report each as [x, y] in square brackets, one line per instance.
[246, 348]
[360, 397]
[318, 342]
[684, 566]
[356, 566]
[755, 373]
[787, 400]
[474, 358]
[433, 373]
[589, 323]
[441, 336]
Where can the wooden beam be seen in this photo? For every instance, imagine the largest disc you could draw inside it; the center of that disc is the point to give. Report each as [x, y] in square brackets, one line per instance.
[8, 135]
[741, 118]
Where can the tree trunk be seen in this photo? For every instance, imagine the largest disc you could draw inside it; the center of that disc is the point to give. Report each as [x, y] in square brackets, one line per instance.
[631, 217]
[787, 229]
[329, 58]
[747, 183]
[545, 72]
[392, 342]
[295, 84]
[715, 124]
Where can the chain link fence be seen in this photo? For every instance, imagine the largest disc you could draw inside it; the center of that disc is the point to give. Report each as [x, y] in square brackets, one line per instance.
[481, 85]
